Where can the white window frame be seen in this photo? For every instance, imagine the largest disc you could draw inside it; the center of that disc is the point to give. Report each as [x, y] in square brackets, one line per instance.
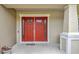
[32, 15]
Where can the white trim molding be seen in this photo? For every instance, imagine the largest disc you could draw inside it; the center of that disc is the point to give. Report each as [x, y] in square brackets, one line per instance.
[36, 15]
[33, 15]
[68, 37]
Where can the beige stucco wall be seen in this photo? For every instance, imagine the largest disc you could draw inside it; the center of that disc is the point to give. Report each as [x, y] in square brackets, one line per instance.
[75, 46]
[78, 15]
[66, 19]
[78, 10]
[71, 25]
[73, 18]
[64, 44]
[70, 21]
[7, 27]
[55, 23]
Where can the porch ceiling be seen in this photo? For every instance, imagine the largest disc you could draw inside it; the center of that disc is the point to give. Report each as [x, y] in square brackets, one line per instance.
[35, 6]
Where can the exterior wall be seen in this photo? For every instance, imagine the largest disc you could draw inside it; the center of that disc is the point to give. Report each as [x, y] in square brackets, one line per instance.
[78, 10]
[55, 23]
[70, 26]
[66, 23]
[73, 20]
[75, 43]
[75, 46]
[78, 15]
[64, 44]
[7, 27]
[70, 21]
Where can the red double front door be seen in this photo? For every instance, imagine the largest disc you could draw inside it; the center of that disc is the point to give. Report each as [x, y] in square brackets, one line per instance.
[34, 29]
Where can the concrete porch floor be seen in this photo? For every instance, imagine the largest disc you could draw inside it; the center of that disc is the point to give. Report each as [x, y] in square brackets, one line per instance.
[36, 49]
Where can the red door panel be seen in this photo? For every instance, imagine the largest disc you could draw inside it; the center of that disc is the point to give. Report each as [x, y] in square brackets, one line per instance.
[28, 29]
[40, 29]
[34, 29]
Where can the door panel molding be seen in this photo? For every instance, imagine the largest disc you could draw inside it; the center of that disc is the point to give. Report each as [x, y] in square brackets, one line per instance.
[34, 15]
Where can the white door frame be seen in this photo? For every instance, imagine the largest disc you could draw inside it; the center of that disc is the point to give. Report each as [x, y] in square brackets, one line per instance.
[32, 15]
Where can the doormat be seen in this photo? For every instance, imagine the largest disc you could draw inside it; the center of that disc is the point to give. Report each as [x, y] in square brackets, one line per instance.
[31, 44]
